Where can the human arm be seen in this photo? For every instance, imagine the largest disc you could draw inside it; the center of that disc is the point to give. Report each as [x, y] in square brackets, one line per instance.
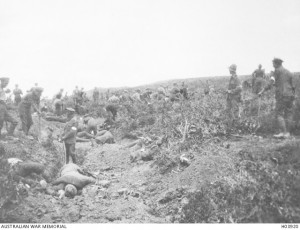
[268, 86]
[238, 87]
[36, 108]
[71, 132]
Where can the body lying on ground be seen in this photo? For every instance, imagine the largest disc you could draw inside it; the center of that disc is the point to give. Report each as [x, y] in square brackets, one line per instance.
[72, 174]
[87, 129]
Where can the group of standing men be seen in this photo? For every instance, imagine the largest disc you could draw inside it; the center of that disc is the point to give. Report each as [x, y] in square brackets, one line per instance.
[30, 100]
[282, 79]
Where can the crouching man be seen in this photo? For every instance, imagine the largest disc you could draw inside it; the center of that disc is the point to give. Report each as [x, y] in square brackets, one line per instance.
[69, 135]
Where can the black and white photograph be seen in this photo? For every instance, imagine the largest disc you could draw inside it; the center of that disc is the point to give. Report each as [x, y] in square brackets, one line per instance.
[149, 112]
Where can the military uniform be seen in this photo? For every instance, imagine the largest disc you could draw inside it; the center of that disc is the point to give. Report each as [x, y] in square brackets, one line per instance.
[17, 93]
[4, 115]
[96, 95]
[174, 94]
[284, 96]
[113, 109]
[296, 113]
[29, 100]
[234, 98]
[184, 92]
[258, 81]
[136, 97]
[58, 106]
[69, 138]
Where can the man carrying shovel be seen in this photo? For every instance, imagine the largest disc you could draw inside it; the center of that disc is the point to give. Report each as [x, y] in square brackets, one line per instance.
[31, 99]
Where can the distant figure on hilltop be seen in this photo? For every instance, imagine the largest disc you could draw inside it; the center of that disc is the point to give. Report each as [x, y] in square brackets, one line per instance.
[31, 99]
[60, 93]
[4, 114]
[234, 97]
[17, 92]
[207, 88]
[184, 91]
[96, 95]
[58, 105]
[258, 79]
[35, 86]
[174, 93]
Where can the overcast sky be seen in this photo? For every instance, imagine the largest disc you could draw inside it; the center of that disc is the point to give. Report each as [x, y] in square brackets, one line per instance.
[112, 43]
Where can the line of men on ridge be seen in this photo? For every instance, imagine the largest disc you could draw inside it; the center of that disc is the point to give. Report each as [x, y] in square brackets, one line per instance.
[280, 77]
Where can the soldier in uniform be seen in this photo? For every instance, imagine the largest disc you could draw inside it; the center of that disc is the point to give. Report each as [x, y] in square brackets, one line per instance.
[75, 95]
[31, 99]
[60, 93]
[184, 91]
[17, 92]
[174, 93]
[4, 115]
[207, 88]
[258, 83]
[234, 97]
[96, 95]
[69, 135]
[58, 105]
[258, 77]
[284, 96]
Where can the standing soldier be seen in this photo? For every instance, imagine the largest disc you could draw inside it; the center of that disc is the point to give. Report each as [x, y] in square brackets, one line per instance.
[17, 92]
[69, 135]
[96, 95]
[183, 91]
[174, 93]
[234, 97]
[60, 93]
[58, 105]
[207, 88]
[4, 115]
[66, 97]
[31, 99]
[75, 95]
[79, 101]
[258, 77]
[284, 96]
[161, 90]
[107, 94]
[258, 82]
[35, 86]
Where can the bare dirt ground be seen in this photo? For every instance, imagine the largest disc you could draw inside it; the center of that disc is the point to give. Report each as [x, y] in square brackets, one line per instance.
[138, 192]
[158, 191]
